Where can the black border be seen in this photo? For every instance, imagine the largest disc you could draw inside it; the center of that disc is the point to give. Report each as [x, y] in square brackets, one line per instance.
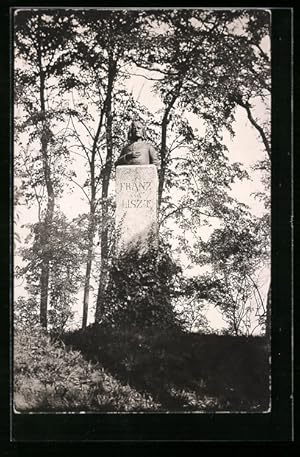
[180, 428]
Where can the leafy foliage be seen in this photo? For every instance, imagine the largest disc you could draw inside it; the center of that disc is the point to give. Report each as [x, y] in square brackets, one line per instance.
[26, 313]
[71, 71]
[140, 289]
[73, 106]
[235, 252]
[64, 254]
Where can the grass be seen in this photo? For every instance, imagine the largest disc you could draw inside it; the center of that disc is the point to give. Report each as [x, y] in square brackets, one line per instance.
[48, 376]
[100, 369]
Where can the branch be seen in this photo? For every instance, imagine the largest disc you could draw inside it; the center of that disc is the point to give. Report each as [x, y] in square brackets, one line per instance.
[258, 292]
[83, 146]
[86, 127]
[179, 145]
[255, 124]
[78, 185]
[180, 209]
[263, 54]
[142, 76]
[76, 153]
[159, 70]
[79, 119]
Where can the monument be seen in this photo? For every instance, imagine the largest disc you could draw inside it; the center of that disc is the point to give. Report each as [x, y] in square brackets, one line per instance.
[136, 192]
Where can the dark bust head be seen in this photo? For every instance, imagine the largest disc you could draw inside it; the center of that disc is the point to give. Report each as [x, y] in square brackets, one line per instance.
[136, 130]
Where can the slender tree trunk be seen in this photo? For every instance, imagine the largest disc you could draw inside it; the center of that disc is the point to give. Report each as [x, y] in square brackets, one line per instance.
[91, 235]
[163, 153]
[163, 149]
[105, 187]
[44, 284]
[268, 315]
[235, 322]
[45, 267]
[92, 224]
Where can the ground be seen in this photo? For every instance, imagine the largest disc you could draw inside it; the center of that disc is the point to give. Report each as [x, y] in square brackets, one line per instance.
[130, 370]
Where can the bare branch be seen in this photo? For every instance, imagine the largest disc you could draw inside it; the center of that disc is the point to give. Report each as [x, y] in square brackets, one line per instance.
[86, 149]
[76, 153]
[78, 185]
[179, 209]
[258, 292]
[159, 70]
[142, 76]
[260, 130]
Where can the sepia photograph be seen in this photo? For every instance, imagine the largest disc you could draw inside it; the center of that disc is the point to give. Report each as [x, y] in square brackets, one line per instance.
[141, 210]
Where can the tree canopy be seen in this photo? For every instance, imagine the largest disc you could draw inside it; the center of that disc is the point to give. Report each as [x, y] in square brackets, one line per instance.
[74, 73]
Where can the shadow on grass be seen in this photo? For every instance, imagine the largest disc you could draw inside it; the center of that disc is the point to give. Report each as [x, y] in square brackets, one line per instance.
[181, 371]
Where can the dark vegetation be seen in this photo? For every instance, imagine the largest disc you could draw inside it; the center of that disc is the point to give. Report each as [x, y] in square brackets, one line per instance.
[182, 371]
[101, 369]
[139, 357]
[73, 108]
[141, 288]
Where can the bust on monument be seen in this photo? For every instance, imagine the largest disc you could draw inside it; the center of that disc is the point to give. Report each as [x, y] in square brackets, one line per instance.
[136, 192]
[138, 151]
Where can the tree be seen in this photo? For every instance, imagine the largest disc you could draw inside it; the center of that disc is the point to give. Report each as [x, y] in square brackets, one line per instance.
[101, 105]
[40, 37]
[65, 254]
[116, 35]
[206, 65]
[209, 63]
[235, 252]
[212, 64]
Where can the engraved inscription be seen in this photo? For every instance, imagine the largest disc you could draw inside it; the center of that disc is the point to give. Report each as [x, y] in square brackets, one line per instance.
[137, 186]
[136, 203]
[136, 206]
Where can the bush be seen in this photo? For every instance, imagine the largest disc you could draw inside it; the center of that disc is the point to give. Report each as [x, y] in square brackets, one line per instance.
[140, 290]
[26, 313]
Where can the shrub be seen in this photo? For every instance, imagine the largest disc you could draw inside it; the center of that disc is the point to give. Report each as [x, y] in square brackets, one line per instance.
[26, 313]
[140, 290]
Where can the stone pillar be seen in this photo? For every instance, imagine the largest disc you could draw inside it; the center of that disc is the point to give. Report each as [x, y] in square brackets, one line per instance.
[136, 206]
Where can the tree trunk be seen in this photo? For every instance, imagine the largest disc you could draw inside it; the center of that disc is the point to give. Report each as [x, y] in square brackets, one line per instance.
[45, 267]
[268, 316]
[104, 241]
[163, 153]
[91, 235]
[44, 284]
[235, 324]
[163, 149]
[92, 224]
[104, 194]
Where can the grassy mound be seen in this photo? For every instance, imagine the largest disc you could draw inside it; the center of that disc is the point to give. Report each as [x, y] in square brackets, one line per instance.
[101, 369]
[50, 377]
[182, 371]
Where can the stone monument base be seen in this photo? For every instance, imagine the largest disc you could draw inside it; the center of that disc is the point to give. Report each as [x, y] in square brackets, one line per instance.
[136, 207]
